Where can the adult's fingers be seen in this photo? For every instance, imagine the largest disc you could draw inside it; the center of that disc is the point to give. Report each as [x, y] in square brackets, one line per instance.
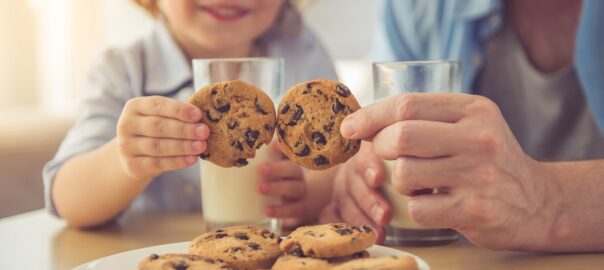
[370, 201]
[413, 174]
[369, 165]
[442, 107]
[164, 147]
[419, 138]
[164, 107]
[436, 210]
[162, 127]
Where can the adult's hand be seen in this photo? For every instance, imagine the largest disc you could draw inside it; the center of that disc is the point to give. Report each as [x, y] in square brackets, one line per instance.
[491, 191]
[356, 199]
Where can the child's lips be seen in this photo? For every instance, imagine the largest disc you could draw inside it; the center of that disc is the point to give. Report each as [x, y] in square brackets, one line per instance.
[225, 12]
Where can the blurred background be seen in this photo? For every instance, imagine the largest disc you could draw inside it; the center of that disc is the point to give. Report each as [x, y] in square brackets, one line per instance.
[48, 46]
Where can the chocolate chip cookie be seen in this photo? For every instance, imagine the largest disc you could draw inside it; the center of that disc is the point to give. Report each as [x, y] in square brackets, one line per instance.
[241, 118]
[308, 124]
[241, 247]
[293, 262]
[181, 262]
[381, 263]
[328, 240]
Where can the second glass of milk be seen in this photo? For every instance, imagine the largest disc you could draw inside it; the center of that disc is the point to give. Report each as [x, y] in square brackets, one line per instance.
[228, 195]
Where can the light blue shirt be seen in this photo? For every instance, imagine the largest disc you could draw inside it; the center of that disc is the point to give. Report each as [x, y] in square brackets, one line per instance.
[459, 29]
[155, 65]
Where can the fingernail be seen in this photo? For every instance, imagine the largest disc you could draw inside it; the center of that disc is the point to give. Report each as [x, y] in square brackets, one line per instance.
[194, 115]
[377, 213]
[347, 127]
[190, 159]
[370, 175]
[263, 188]
[197, 145]
[200, 132]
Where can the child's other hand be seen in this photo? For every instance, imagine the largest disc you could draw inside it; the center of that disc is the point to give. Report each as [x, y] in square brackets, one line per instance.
[157, 134]
[285, 179]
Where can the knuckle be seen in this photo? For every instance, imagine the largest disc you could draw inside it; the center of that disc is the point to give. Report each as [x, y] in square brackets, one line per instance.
[161, 126]
[156, 145]
[478, 209]
[401, 176]
[403, 136]
[488, 141]
[482, 106]
[405, 106]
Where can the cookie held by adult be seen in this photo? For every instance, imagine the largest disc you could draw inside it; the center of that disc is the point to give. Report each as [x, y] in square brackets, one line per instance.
[308, 124]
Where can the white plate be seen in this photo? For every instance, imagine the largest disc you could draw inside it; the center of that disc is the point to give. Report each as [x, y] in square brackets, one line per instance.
[130, 259]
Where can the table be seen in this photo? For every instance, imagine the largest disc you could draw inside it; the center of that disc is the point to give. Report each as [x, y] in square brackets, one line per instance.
[37, 240]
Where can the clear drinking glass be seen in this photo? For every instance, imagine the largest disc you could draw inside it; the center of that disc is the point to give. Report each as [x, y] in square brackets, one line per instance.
[393, 78]
[229, 195]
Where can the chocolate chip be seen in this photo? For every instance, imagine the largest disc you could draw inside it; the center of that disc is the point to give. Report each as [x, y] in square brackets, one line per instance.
[367, 229]
[237, 145]
[181, 266]
[279, 239]
[214, 92]
[342, 90]
[308, 88]
[209, 116]
[285, 109]
[251, 136]
[267, 127]
[235, 249]
[321, 160]
[267, 234]
[220, 230]
[259, 108]
[318, 138]
[328, 127]
[319, 92]
[210, 261]
[296, 250]
[204, 155]
[221, 235]
[343, 231]
[280, 131]
[254, 246]
[297, 116]
[304, 152]
[233, 124]
[241, 236]
[337, 107]
[225, 108]
[240, 162]
[154, 257]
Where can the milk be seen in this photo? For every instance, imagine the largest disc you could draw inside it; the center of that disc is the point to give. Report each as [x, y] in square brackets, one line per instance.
[229, 195]
[400, 217]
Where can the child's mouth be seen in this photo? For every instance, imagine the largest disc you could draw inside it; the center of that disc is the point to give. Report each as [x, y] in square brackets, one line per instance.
[225, 12]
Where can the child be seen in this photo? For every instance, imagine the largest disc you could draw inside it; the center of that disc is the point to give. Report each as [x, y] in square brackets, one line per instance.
[136, 142]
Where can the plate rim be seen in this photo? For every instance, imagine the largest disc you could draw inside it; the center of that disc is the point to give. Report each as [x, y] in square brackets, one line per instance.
[172, 247]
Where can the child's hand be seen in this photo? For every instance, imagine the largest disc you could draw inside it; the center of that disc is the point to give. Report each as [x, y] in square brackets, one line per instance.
[285, 179]
[157, 134]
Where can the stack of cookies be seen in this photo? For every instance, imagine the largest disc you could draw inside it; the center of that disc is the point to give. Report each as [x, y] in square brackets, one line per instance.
[336, 246]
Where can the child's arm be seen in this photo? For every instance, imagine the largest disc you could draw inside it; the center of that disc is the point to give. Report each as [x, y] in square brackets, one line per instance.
[154, 135]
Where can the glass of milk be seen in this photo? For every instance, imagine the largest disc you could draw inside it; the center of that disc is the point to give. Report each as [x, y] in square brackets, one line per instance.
[393, 78]
[228, 195]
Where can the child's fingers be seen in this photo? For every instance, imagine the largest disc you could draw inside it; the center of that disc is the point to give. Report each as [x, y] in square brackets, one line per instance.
[290, 189]
[163, 106]
[145, 165]
[283, 169]
[143, 146]
[276, 147]
[286, 210]
[162, 127]
[329, 214]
